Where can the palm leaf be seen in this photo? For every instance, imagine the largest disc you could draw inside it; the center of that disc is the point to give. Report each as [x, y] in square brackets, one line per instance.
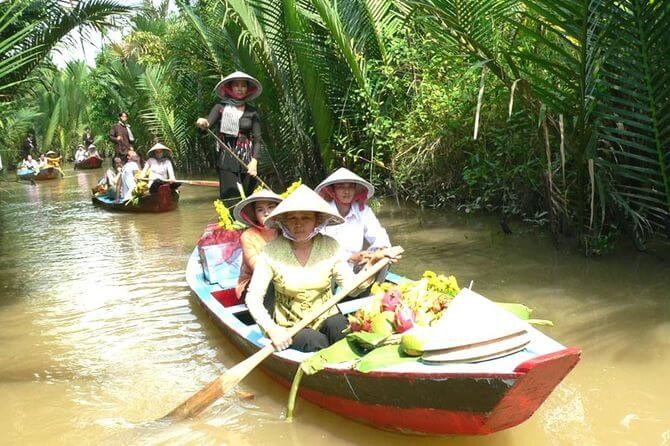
[635, 104]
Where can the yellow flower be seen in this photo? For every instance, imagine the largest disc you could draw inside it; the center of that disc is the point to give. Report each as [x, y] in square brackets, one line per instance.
[429, 275]
[291, 188]
[225, 220]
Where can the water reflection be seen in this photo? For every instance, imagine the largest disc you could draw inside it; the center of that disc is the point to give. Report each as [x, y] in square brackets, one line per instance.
[101, 334]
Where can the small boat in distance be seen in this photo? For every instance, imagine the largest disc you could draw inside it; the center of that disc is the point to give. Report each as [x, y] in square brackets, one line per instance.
[92, 162]
[42, 174]
[165, 199]
[449, 398]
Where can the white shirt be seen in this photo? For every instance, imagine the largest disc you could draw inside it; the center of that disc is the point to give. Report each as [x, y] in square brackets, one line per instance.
[358, 226]
[80, 155]
[159, 169]
[230, 120]
[128, 180]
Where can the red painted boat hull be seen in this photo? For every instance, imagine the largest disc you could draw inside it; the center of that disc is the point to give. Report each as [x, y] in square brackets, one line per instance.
[420, 403]
[92, 162]
[164, 200]
[49, 173]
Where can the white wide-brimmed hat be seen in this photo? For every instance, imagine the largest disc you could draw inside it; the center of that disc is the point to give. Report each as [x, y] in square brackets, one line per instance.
[255, 88]
[158, 146]
[343, 175]
[244, 210]
[304, 199]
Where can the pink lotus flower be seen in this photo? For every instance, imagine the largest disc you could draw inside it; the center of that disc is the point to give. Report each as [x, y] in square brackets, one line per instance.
[404, 318]
[391, 300]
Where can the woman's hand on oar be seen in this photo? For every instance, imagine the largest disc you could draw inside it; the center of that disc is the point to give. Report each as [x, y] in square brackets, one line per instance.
[280, 337]
[251, 167]
[231, 377]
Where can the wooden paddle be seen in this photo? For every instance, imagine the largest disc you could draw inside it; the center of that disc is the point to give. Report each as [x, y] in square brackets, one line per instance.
[206, 183]
[239, 160]
[217, 388]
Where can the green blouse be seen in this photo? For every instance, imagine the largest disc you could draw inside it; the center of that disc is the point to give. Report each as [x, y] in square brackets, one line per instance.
[298, 288]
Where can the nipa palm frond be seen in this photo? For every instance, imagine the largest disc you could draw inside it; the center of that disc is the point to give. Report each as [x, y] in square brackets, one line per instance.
[634, 110]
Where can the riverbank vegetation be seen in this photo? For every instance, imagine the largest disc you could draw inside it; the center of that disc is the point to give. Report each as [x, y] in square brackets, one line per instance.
[556, 112]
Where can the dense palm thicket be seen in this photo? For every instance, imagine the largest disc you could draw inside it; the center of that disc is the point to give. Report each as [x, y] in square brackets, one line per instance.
[556, 111]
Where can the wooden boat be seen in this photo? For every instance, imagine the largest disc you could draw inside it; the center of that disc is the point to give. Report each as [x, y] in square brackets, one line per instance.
[49, 173]
[25, 174]
[164, 200]
[92, 162]
[445, 399]
[45, 173]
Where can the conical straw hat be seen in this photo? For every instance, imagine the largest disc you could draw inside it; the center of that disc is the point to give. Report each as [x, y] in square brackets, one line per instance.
[343, 175]
[255, 87]
[304, 199]
[158, 146]
[245, 208]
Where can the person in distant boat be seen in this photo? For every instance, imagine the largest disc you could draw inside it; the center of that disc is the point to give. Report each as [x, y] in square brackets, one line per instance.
[253, 211]
[42, 162]
[111, 178]
[92, 151]
[30, 163]
[122, 137]
[80, 154]
[127, 179]
[348, 194]
[239, 129]
[88, 137]
[158, 166]
[300, 263]
[29, 146]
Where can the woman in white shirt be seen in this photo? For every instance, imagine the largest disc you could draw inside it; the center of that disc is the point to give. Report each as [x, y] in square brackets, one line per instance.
[348, 195]
[80, 154]
[111, 179]
[92, 151]
[158, 166]
[127, 180]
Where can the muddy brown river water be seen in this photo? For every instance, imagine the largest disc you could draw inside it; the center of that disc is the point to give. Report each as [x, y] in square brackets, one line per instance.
[99, 333]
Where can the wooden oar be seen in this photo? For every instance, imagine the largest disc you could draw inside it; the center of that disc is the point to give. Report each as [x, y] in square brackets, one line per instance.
[207, 183]
[217, 388]
[239, 160]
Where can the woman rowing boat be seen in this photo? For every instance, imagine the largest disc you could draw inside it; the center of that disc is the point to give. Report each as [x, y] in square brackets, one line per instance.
[301, 264]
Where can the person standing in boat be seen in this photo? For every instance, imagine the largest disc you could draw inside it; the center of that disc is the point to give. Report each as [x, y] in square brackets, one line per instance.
[127, 182]
[239, 129]
[158, 166]
[88, 137]
[122, 137]
[348, 194]
[29, 146]
[301, 263]
[253, 211]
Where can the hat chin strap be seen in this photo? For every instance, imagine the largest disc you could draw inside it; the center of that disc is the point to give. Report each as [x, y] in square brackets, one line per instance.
[249, 221]
[289, 235]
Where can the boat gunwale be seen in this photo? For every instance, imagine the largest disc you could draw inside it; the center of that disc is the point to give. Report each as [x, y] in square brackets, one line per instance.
[223, 317]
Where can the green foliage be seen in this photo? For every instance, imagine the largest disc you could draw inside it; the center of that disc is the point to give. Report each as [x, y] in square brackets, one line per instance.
[574, 124]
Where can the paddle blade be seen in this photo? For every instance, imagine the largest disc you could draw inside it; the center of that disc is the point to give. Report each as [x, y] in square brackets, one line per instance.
[217, 388]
